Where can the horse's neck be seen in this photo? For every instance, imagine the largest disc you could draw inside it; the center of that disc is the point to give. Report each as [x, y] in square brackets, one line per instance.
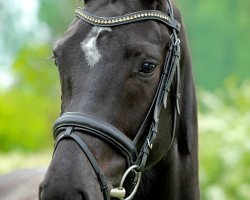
[174, 178]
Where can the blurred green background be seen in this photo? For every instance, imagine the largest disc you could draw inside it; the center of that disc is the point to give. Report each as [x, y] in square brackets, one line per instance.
[30, 92]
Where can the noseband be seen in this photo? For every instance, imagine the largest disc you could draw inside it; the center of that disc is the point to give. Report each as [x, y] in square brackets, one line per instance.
[69, 122]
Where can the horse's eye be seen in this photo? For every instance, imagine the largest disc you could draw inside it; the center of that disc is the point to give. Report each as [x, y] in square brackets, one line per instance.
[147, 68]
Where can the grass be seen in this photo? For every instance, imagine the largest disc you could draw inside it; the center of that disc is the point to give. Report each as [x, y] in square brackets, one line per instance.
[17, 160]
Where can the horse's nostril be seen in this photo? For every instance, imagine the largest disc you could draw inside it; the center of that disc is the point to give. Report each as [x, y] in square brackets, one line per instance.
[40, 191]
[82, 196]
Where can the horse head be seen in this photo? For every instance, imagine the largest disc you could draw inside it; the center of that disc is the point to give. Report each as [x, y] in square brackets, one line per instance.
[118, 62]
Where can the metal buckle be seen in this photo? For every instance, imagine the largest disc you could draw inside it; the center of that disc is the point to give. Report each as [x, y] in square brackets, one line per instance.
[149, 144]
[120, 192]
[177, 42]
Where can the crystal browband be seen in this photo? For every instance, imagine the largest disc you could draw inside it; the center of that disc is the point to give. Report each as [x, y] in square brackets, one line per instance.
[128, 18]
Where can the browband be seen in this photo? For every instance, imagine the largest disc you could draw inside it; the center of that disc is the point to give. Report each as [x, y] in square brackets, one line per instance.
[128, 18]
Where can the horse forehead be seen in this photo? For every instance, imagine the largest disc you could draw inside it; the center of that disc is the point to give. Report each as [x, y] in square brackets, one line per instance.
[89, 45]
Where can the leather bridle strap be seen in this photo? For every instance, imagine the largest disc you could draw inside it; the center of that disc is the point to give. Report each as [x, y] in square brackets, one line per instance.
[71, 122]
[171, 71]
[68, 134]
[162, 91]
[93, 126]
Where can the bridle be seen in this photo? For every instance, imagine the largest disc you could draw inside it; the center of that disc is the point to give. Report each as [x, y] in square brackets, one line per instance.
[69, 122]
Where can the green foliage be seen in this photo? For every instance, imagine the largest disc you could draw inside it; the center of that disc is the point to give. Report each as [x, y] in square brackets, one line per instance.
[224, 142]
[218, 33]
[58, 14]
[29, 108]
[35, 71]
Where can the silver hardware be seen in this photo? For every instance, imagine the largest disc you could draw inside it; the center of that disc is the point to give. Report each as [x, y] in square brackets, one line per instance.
[177, 42]
[123, 18]
[149, 144]
[118, 192]
[115, 192]
[165, 97]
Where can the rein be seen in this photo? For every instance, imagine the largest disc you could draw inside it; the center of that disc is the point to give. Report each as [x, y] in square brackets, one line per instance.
[69, 122]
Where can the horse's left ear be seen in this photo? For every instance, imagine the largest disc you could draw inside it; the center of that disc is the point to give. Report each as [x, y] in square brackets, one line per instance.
[187, 135]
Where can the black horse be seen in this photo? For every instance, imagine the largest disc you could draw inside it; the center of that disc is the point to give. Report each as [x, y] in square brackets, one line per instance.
[118, 62]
